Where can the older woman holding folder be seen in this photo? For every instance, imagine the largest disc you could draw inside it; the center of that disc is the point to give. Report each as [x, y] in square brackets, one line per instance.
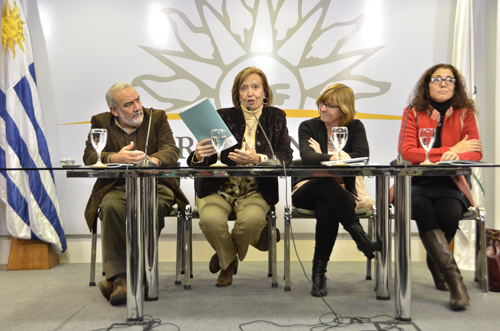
[249, 198]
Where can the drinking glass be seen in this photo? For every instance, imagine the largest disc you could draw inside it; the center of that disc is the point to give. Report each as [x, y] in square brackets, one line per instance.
[99, 138]
[427, 137]
[339, 139]
[218, 140]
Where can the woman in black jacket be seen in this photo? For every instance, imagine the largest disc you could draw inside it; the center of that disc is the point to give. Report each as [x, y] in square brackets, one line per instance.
[248, 197]
[332, 198]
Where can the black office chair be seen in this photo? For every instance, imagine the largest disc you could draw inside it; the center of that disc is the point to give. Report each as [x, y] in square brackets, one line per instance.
[478, 215]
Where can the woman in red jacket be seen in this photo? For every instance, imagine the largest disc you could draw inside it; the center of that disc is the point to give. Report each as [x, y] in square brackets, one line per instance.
[440, 101]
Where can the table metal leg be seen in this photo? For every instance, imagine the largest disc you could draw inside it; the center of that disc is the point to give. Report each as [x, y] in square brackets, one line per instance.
[187, 248]
[135, 254]
[273, 254]
[382, 258]
[481, 260]
[150, 221]
[180, 249]
[287, 249]
[402, 248]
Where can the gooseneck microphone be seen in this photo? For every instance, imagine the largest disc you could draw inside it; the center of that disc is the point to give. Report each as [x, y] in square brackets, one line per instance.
[274, 161]
[146, 162]
[399, 161]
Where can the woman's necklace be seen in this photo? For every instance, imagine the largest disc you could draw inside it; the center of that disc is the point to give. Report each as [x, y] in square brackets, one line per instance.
[250, 129]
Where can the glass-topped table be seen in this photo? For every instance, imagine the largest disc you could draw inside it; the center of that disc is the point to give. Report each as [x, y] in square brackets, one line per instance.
[141, 205]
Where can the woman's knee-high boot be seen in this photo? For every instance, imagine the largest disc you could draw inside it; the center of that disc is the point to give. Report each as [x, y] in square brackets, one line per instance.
[319, 278]
[437, 276]
[364, 243]
[437, 247]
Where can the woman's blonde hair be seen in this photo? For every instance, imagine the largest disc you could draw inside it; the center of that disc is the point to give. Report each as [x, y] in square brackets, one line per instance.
[240, 78]
[343, 97]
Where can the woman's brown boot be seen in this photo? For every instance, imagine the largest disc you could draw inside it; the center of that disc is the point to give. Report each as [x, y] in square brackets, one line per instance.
[437, 276]
[226, 275]
[437, 247]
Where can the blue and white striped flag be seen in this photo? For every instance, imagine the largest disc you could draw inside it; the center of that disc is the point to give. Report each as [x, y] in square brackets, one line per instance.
[32, 209]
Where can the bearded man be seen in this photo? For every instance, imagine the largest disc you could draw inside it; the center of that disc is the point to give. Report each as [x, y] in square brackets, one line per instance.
[127, 126]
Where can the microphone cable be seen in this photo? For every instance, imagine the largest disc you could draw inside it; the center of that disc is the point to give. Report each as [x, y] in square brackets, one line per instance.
[338, 320]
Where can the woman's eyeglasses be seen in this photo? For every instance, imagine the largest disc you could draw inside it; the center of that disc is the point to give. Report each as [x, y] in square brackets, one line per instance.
[328, 106]
[439, 80]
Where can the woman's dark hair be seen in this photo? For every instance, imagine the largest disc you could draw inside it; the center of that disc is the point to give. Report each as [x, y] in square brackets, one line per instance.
[420, 98]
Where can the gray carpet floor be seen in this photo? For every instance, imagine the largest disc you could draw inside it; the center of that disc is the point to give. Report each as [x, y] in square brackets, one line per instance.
[60, 299]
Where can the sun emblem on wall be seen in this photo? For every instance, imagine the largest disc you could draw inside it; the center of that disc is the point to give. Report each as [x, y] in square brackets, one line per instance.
[12, 28]
[290, 41]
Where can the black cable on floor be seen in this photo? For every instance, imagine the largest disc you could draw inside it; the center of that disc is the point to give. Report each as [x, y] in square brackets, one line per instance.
[337, 320]
[146, 321]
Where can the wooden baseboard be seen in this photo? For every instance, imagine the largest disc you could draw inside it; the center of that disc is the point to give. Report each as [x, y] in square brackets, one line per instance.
[26, 254]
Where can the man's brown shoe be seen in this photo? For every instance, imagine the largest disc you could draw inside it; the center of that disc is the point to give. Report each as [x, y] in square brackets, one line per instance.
[106, 288]
[119, 295]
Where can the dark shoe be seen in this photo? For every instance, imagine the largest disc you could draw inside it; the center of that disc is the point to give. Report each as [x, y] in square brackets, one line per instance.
[262, 243]
[364, 243]
[437, 247]
[119, 295]
[437, 276]
[319, 278]
[106, 288]
[226, 275]
[214, 266]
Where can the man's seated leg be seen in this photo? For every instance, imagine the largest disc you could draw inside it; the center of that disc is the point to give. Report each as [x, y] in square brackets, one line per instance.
[113, 216]
[165, 202]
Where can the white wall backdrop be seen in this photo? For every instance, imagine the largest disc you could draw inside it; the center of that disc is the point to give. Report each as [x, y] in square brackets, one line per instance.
[176, 52]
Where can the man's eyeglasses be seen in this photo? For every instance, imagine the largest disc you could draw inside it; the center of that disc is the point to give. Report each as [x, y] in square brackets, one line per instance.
[328, 106]
[439, 80]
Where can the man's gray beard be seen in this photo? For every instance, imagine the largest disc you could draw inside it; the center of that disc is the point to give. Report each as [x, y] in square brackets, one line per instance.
[130, 122]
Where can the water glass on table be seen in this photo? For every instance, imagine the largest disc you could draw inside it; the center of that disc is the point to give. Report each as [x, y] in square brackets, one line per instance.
[427, 137]
[218, 140]
[99, 138]
[339, 139]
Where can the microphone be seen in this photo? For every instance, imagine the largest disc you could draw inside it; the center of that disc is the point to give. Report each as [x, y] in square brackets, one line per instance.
[399, 161]
[146, 162]
[274, 161]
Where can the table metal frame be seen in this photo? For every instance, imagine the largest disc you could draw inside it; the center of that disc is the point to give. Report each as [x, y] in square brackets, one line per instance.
[141, 207]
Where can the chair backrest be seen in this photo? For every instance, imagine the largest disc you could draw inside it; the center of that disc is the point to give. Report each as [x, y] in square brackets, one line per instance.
[295, 162]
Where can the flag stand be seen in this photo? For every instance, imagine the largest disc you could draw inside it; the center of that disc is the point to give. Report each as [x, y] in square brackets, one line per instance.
[26, 254]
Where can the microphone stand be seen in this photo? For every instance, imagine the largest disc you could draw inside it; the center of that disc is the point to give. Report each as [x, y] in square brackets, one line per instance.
[399, 160]
[146, 162]
[274, 161]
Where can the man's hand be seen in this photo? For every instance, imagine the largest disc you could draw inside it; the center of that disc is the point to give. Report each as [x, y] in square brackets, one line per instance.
[127, 155]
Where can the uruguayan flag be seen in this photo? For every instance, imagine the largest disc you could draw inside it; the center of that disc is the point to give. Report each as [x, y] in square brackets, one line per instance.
[32, 209]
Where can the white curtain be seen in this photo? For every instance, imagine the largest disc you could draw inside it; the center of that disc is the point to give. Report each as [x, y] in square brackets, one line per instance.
[464, 61]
